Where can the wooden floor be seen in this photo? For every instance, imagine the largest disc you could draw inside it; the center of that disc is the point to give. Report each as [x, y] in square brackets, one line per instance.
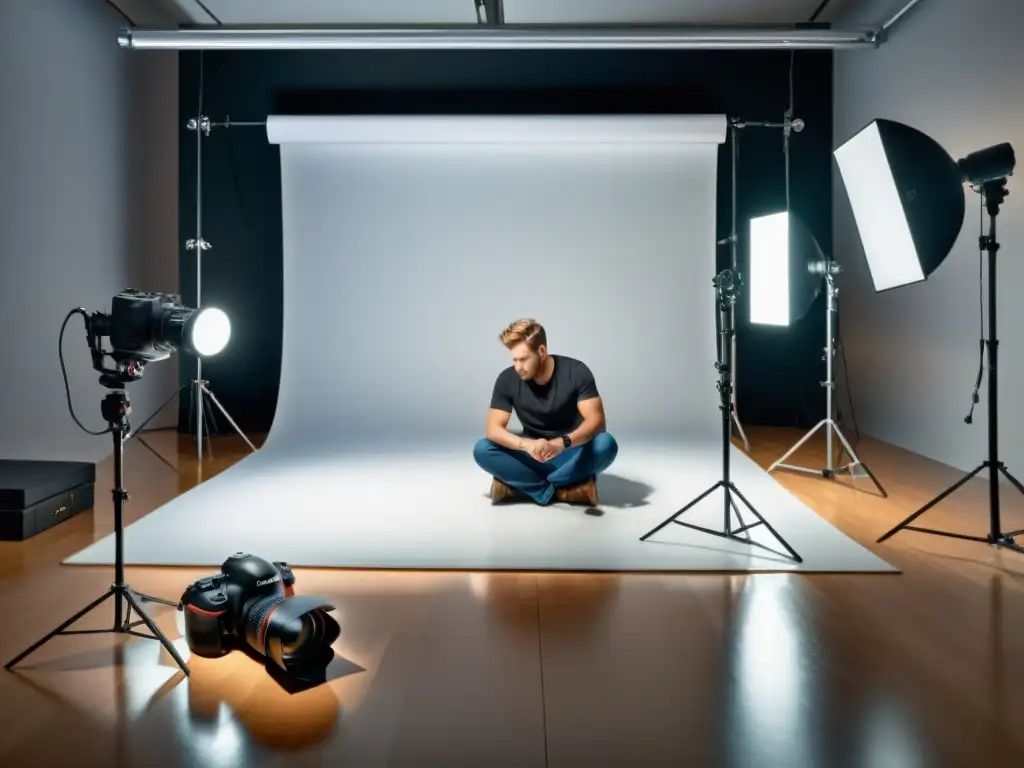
[920, 669]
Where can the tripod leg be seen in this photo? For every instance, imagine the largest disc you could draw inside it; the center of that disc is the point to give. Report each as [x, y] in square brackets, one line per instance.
[1016, 484]
[156, 453]
[693, 503]
[797, 447]
[192, 406]
[95, 603]
[137, 433]
[855, 460]
[227, 416]
[766, 524]
[932, 503]
[729, 532]
[138, 430]
[1011, 478]
[736, 511]
[207, 418]
[151, 599]
[197, 417]
[157, 634]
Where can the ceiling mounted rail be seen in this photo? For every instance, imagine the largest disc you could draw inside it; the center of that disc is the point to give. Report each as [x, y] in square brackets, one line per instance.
[500, 36]
[503, 37]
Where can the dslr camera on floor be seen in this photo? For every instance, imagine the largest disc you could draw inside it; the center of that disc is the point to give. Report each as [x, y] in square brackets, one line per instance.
[252, 602]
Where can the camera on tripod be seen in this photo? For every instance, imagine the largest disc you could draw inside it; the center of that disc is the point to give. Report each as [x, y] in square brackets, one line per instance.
[253, 602]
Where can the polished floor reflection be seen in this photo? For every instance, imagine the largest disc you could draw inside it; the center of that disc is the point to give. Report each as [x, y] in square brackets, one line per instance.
[914, 670]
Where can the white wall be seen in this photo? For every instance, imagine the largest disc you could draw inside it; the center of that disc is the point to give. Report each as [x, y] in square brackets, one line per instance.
[954, 71]
[88, 206]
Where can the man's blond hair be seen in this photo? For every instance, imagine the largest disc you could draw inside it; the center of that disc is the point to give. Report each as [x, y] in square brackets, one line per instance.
[526, 329]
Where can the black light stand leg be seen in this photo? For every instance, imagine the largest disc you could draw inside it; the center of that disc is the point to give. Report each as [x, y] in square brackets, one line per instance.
[994, 192]
[116, 410]
[726, 291]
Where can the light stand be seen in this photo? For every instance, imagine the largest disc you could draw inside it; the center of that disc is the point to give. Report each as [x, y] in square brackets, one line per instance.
[735, 124]
[994, 192]
[116, 409]
[733, 239]
[200, 393]
[200, 388]
[830, 269]
[726, 291]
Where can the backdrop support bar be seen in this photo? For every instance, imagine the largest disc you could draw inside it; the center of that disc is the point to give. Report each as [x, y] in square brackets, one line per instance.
[493, 37]
[229, 123]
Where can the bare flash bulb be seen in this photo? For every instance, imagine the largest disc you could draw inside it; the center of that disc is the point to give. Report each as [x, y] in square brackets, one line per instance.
[210, 331]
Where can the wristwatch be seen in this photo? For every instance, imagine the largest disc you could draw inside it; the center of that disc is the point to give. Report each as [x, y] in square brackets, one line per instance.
[566, 441]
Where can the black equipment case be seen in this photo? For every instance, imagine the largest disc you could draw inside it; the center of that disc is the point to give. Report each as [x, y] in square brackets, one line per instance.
[36, 495]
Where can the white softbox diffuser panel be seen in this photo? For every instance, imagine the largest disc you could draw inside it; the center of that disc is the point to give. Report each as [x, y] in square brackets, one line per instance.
[410, 242]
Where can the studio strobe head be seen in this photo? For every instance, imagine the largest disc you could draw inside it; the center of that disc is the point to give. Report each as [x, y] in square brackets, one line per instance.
[150, 326]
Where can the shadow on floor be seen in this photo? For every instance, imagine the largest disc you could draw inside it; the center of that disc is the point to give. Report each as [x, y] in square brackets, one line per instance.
[620, 492]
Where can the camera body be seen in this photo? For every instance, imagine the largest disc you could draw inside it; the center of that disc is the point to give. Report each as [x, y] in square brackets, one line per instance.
[140, 322]
[252, 602]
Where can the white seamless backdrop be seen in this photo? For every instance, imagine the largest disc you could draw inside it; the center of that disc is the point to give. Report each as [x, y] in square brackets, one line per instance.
[410, 242]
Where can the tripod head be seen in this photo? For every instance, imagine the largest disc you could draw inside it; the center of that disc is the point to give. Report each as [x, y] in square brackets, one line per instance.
[127, 367]
[994, 192]
[727, 287]
[116, 409]
[825, 267]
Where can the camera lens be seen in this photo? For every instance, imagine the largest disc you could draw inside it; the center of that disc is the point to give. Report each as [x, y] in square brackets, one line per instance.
[257, 621]
[293, 631]
[295, 635]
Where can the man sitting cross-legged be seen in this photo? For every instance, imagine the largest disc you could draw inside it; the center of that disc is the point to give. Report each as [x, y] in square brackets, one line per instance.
[564, 446]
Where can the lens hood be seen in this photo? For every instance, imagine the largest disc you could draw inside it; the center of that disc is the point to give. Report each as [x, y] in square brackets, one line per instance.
[286, 622]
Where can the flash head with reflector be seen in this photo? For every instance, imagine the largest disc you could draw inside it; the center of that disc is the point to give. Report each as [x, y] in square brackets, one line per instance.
[908, 202]
[907, 197]
[146, 327]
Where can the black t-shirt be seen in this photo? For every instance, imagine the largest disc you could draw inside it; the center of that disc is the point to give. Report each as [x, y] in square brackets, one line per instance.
[547, 410]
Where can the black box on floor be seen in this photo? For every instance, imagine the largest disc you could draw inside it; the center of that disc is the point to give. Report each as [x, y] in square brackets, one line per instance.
[36, 495]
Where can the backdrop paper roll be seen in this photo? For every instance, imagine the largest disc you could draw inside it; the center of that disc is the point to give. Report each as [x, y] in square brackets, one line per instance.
[404, 260]
[631, 130]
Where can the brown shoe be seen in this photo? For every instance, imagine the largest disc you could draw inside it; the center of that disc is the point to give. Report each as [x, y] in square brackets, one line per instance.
[501, 492]
[581, 493]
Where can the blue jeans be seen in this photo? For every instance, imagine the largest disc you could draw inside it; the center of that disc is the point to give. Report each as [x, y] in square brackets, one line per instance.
[538, 479]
